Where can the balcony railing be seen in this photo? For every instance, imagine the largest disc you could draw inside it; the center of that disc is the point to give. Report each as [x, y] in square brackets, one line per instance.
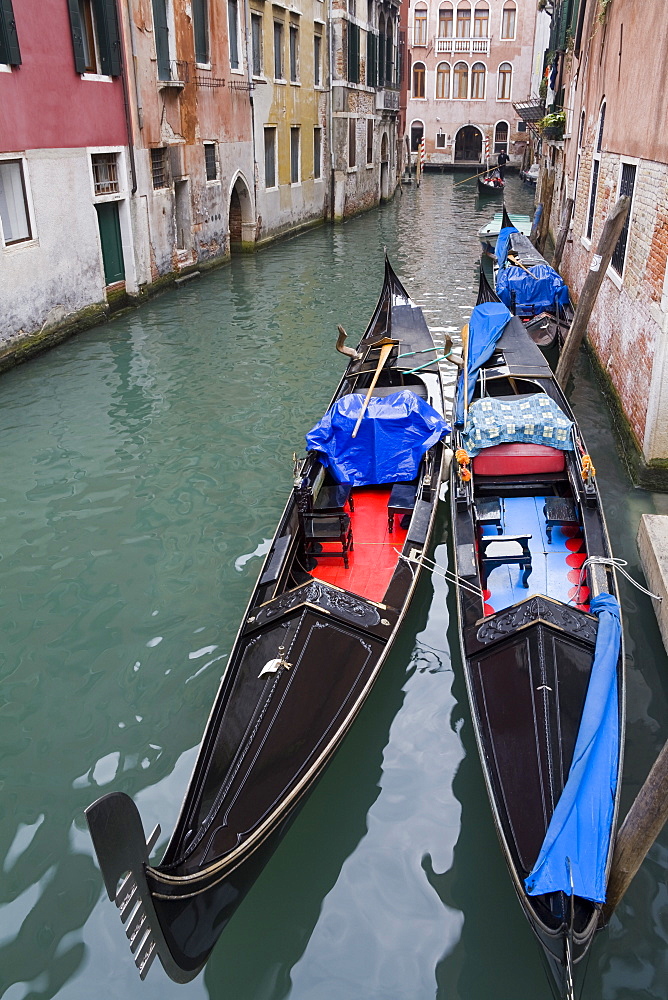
[462, 46]
[387, 100]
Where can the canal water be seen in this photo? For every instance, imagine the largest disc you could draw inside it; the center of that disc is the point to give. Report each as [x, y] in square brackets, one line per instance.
[145, 464]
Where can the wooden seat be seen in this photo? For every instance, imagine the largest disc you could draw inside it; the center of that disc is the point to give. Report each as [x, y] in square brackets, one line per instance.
[490, 511]
[558, 511]
[401, 501]
[332, 498]
[319, 528]
[504, 550]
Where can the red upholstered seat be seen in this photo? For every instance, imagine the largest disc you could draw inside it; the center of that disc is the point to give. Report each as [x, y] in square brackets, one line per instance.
[518, 459]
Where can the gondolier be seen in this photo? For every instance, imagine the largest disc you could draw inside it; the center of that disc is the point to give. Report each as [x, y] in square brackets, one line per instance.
[503, 158]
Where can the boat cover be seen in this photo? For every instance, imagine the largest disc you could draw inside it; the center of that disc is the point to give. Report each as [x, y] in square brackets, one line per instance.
[527, 293]
[574, 854]
[395, 433]
[486, 325]
[535, 419]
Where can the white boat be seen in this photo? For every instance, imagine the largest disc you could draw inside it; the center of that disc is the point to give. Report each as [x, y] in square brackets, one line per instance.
[489, 232]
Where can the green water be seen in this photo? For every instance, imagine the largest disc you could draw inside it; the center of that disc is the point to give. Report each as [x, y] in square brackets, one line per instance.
[144, 466]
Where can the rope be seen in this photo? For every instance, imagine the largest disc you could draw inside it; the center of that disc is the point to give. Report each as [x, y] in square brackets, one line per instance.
[617, 564]
[447, 574]
[433, 361]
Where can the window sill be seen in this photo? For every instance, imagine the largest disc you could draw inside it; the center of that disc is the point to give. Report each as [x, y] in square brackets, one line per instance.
[616, 279]
[370, 166]
[171, 84]
[586, 242]
[295, 83]
[205, 66]
[237, 71]
[214, 182]
[100, 199]
[280, 81]
[351, 170]
[97, 77]
[5, 68]
[21, 245]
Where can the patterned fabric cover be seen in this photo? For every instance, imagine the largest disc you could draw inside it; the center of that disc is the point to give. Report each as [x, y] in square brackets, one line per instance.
[530, 419]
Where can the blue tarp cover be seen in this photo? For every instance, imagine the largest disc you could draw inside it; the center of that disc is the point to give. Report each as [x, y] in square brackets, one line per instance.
[395, 433]
[533, 419]
[532, 293]
[578, 838]
[486, 325]
[503, 242]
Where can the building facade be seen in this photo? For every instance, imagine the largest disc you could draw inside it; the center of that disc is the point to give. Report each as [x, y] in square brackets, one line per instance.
[604, 57]
[469, 61]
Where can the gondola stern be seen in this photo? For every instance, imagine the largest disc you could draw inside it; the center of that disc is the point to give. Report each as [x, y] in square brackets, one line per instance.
[122, 852]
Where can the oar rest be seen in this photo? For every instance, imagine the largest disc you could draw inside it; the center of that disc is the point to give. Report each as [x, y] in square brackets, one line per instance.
[504, 550]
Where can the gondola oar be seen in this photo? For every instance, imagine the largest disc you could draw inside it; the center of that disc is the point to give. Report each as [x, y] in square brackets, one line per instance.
[516, 263]
[386, 345]
[466, 179]
[465, 353]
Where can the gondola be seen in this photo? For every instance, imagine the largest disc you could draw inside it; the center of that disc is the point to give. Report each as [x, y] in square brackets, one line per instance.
[491, 183]
[540, 633]
[528, 285]
[330, 598]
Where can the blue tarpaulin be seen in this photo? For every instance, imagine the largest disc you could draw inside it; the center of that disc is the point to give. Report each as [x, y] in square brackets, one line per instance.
[531, 293]
[577, 841]
[486, 325]
[503, 242]
[395, 433]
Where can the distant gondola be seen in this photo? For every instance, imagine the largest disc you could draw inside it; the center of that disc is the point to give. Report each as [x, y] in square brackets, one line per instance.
[540, 632]
[330, 599]
[491, 183]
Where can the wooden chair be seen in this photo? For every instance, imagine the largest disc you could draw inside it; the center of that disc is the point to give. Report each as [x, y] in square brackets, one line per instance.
[319, 528]
[504, 550]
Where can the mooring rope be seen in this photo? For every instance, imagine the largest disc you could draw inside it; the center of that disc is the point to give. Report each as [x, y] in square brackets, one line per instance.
[617, 564]
[447, 574]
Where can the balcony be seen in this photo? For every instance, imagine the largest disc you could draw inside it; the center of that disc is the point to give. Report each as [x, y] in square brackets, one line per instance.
[462, 46]
[387, 100]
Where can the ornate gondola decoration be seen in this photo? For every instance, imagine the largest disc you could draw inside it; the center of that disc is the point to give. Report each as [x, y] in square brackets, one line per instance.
[540, 633]
[329, 601]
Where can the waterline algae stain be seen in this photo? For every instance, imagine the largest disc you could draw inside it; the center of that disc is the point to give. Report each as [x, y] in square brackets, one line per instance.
[145, 464]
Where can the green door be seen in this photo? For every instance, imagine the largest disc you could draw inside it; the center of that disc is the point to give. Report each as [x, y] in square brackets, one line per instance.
[112, 245]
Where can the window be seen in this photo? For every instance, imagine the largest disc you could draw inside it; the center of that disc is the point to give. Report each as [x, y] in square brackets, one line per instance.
[417, 131]
[95, 37]
[352, 7]
[505, 82]
[626, 186]
[270, 157]
[317, 48]
[501, 137]
[105, 173]
[508, 21]
[481, 22]
[596, 163]
[461, 81]
[420, 26]
[353, 53]
[418, 80]
[445, 22]
[463, 22]
[256, 43]
[161, 35]
[443, 81]
[352, 142]
[371, 59]
[440, 140]
[13, 203]
[158, 168]
[389, 55]
[369, 140]
[294, 155]
[210, 162]
[200, 13]
[10, 54]
[233, 32]
[381, 50]
[294, 52]
[317, 153]
[278, 50]
[478, 73]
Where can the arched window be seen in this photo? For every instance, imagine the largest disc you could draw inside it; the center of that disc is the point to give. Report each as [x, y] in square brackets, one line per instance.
[420, 26]
[478, 82]
[461, 82]
[501, 137]
[418, 80]
[505, 82]
[417, 131]
[481, 21]
[508, 20]
[445, 21]
[463, 21]
[443, 81]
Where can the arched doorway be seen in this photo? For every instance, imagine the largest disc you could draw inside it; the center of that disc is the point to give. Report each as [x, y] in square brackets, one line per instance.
[468, 144]
[384, 168]
[241, 221]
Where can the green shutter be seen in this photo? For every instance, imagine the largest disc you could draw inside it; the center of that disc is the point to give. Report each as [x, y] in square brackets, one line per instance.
[108, 37]
[201, 30]
[10, 52]
[161, 35]
[77, 37]
[353, 53]
[371, 49]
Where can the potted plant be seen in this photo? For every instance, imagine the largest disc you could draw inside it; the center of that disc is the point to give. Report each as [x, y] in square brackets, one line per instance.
[552, 126]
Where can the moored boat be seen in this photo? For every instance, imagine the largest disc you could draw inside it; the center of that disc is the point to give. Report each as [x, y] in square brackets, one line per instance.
[540, 633]
[488, 233]
[491, 183]
[329, 601]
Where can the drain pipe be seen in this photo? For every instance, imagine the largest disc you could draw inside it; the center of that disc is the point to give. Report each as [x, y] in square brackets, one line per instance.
[330, 31]
[126, 96]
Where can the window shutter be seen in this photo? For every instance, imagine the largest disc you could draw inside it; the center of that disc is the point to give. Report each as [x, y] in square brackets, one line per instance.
[371, 47]
[10, 52]
[77, 37]
[109, 40]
